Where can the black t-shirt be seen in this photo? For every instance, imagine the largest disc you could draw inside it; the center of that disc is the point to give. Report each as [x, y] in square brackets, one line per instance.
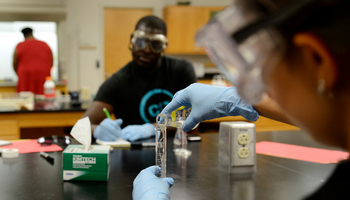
[337, 186]
[138, 98]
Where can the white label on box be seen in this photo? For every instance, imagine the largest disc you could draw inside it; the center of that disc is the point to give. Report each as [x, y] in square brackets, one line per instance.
[83, 160]
[68, 174]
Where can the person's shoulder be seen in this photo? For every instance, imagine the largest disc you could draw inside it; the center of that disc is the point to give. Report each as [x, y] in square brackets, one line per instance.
[173, 59]
[37, 41]
[176, 62]
[336, 187]
[40, 42]
[124, 72]
[20, 44]
[116, 81]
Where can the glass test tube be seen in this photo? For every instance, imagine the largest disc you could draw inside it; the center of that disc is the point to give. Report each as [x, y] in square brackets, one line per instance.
[161, 150]
[175, 119]
[164, 120]
[183, 139]
[179, 142]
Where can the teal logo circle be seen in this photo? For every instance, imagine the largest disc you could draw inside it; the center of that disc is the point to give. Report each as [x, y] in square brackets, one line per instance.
[154, 109]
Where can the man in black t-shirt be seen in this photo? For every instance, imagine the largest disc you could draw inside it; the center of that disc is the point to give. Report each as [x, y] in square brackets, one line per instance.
[141, 89]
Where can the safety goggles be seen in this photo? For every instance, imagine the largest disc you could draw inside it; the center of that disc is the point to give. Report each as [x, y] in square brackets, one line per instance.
[60, 140]
[156, 42]
[243, 43]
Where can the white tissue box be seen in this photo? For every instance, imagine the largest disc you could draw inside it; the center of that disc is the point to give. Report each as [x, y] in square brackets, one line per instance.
[92, 165]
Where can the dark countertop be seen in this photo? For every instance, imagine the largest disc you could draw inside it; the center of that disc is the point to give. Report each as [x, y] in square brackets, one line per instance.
[197, 177]
[43, 106]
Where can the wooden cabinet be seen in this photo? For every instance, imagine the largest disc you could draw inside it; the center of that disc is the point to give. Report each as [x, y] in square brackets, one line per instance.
[183, 22]
[119, 24]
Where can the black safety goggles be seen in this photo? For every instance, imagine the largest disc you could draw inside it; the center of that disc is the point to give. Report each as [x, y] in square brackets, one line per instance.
[60, 140]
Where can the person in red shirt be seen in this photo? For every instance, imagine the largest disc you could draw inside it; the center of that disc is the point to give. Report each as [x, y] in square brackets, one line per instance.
[32, 62]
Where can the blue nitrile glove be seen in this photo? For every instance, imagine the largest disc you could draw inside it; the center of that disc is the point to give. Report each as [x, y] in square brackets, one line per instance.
[147, 186]
[209, 102]
[108, 130]
[135, 132]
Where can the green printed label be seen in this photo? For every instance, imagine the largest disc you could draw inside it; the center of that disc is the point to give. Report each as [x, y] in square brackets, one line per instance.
[89, 165]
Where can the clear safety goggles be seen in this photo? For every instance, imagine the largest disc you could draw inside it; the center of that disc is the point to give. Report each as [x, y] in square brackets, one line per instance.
[156, 42]
[242, 42]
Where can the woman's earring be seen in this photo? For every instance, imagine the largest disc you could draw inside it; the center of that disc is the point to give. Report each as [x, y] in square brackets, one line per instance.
[321, 89]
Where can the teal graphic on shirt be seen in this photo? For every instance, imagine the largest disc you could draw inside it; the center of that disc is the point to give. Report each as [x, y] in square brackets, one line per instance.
[147, 110]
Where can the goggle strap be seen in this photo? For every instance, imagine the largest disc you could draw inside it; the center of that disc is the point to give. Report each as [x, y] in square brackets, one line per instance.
[273, 19]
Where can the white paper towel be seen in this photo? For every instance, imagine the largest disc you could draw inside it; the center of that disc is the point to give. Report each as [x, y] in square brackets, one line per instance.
[81, 131]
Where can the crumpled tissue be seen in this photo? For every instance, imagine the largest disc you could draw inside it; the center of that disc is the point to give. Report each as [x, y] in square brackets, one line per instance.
[81, 131]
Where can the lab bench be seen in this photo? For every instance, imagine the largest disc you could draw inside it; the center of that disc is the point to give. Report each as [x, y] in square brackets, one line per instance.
[196, 177]
[43, 116]
[65, 115]
[10, 86]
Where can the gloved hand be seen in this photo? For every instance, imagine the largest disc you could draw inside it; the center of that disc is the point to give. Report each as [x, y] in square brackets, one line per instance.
[108, 130]
[209, 102]
[147, 186]
[135, 132]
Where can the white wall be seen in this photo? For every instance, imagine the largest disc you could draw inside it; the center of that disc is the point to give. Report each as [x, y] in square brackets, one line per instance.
[33, 6]
[85, 30]
[10, 36]
[83, 37]
[35, 10]
[85, 26]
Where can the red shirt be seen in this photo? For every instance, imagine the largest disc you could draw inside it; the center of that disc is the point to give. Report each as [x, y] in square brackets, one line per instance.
[34, 62]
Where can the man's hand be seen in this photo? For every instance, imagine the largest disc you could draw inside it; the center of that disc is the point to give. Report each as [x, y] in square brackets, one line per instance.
[108, 130]
[135, 132]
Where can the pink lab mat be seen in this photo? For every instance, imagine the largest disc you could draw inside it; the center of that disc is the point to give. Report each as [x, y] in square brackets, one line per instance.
[309, 154]
[31, 146]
